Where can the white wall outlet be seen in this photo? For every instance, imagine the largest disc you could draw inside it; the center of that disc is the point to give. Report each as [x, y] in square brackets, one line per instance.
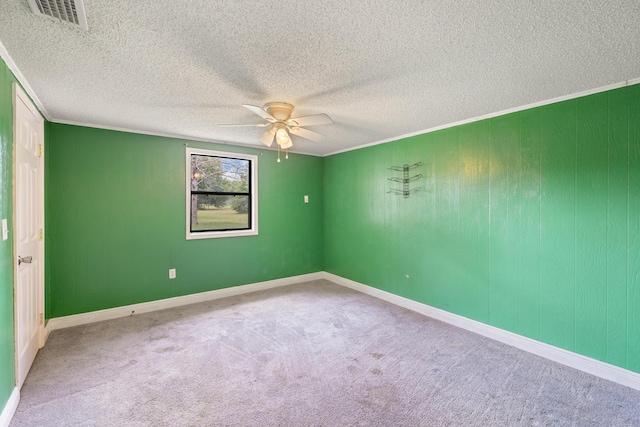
[5, 229]
[172, 273]
[306, 198]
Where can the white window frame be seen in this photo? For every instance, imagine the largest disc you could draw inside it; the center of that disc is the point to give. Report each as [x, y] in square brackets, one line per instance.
[253, 182]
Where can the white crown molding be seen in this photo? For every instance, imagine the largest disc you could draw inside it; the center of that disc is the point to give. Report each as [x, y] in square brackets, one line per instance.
[10, 408]
[4, 54]
[146, 307]
[564, 357]
[492, 115]
[370, 144]
[174, 136]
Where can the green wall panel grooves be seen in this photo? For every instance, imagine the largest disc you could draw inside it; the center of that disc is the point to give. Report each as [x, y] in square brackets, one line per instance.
[617, 227]
[557, 243]
[633, 235]
[530, 222]
[7, 375]
[115, 216]
[591, 230]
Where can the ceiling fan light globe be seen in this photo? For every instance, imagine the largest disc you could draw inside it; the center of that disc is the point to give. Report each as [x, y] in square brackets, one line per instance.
[267, 137]
[284, 141]
[286, 145]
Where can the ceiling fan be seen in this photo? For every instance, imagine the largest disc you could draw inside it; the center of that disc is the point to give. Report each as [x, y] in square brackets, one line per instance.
[279, 124]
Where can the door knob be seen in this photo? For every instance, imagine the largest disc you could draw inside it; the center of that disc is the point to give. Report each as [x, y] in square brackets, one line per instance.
[26, 259]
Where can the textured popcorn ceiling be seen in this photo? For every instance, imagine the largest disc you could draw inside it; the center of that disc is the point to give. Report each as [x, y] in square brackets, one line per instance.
[380, 69]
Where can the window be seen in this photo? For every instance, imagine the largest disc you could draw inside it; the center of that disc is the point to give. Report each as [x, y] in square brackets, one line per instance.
[221, 194]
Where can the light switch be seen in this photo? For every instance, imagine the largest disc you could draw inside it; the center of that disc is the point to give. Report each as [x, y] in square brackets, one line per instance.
[5, 229]
[306, 198]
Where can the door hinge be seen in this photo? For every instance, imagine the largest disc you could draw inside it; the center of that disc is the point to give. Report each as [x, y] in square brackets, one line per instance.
[40, 150]
[40, 234]
[41, 318]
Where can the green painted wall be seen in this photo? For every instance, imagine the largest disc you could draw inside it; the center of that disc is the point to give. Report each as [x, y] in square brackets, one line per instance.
[115, 222]
[7, 362]
[530, 222]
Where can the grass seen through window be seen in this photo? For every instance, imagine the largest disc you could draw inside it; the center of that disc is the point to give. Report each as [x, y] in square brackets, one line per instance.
[222, 218]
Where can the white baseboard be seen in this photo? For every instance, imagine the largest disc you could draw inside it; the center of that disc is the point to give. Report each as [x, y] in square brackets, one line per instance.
[145, 307]
[556, 354]
[10, 408]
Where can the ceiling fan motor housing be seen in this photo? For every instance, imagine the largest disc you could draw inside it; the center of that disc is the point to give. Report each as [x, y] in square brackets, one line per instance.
[281, 111]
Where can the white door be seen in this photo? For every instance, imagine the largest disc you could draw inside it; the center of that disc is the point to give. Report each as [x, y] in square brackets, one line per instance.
[28, 140]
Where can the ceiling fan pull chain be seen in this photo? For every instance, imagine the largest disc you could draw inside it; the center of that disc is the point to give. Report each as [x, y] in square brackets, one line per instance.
[278, 153]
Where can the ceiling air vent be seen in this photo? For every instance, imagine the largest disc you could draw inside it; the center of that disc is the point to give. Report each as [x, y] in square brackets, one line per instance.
[69, 11]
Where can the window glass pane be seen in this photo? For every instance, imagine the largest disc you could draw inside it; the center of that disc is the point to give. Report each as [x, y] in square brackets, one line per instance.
[222, 198]
[211, 173]
[211, 212]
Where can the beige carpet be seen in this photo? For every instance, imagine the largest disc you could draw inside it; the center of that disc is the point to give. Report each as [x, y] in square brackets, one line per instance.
[313, 354]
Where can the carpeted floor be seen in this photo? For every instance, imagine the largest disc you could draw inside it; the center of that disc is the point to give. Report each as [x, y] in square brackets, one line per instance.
[313, 354]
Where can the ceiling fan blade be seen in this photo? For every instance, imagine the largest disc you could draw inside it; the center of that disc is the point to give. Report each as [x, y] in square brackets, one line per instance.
[314, 120]
[304, 133]
[267, 137]
[259, 111]
[259, 125]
